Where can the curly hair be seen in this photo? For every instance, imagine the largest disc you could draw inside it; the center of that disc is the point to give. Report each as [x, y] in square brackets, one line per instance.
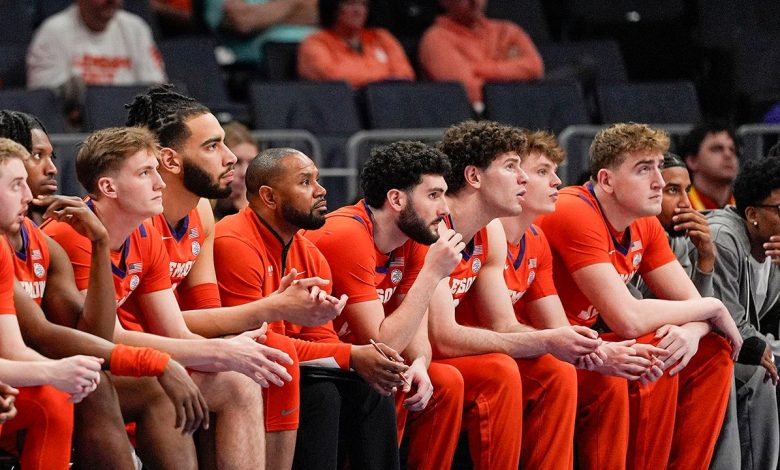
[612, 145]
[478, 143]
[755, 182]
[105, 150]
[165, 112]
[544, 143]
[400, 165]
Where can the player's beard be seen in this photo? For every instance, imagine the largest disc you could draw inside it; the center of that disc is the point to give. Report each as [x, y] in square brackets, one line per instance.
[414, 227]
[304, 220]
[201, 184]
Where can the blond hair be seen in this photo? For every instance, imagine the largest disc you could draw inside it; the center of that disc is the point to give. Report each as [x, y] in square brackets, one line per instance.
[545, 143]
[613, 144]
[105, 150]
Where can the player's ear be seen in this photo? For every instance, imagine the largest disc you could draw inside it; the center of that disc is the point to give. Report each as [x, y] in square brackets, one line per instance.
[268, 196]
[471, 175]
[605, 180]
[170, 160]
[397, 199]
[105, 187]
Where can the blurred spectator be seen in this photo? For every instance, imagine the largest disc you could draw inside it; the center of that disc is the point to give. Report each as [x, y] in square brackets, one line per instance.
[710, 151]
[240, 141]
[466, 46]
[245, 25]
[347, 50]
[92, 42]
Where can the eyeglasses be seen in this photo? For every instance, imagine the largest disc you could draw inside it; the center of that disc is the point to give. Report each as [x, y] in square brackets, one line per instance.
[772, 206]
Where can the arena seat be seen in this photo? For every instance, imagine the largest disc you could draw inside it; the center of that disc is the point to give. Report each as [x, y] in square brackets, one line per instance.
[408, 105]
[653, 103]
[41, 102]
[542, 105]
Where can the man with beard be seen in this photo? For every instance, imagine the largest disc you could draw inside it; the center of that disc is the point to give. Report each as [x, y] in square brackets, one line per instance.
[285, 196]
[375, 249]
[195, 164]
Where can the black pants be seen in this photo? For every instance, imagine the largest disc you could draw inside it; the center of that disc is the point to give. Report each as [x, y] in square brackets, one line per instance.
[343, 417]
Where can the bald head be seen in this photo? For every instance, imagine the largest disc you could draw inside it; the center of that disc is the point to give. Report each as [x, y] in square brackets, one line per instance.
[266, 169]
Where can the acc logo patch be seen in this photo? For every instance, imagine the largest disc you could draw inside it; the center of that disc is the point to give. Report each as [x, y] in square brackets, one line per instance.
[396, 276]
[39, 270]
[134, 281]
[637, 259]
[195, 248]
[476, 265]
[531, 277]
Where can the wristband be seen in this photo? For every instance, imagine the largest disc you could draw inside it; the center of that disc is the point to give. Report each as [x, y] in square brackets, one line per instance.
[138, 362]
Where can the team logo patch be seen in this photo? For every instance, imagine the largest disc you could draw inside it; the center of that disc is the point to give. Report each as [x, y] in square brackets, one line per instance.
[195, 248]
[39, 270]
[36, 254]
[135, 267]
[396, 276]
[531, 277]
[194, 232]
[134, 281]
[476, 265]
[637, 259]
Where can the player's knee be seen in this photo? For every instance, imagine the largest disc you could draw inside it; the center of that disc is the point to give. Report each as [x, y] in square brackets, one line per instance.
[242, 390]
[562, 376]
[501, 370]
[447, 381]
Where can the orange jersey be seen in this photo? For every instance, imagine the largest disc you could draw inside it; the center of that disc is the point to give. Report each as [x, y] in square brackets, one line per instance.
[6, 280]
[139, 266]
[528, 275]
[31, 262]
[580, 236]
[360, 270]
[702, 202]
[472, 259]
[182, 244]
[264, 260]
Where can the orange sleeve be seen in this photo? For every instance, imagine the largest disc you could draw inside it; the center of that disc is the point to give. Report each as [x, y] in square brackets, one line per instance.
[157, 273]
[657, 250]
[576, 234]
[543, 284]
[7, 306]
[350, 252]
[239, 283]
[441, 60]
[520, 61]
[199, 297]
[399, 63]
[78, 248]
[315, 61]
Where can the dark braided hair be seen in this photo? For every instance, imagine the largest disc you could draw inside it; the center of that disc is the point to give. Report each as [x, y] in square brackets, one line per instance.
[14, 127]
[164, 112]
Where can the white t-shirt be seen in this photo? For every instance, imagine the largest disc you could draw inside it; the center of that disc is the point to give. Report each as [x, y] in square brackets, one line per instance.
[123, 54]
[759, 276]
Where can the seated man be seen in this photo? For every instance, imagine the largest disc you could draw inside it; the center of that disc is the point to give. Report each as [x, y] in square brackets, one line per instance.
[376, 249]
[118, 166]
[601, 236]
[47, 411]
[92, 42]
[346, 50]
[746, 278]
[44, 272]
[710, 151]
[528, 275]
[466, 46]
[245, 26]
[284, 197]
